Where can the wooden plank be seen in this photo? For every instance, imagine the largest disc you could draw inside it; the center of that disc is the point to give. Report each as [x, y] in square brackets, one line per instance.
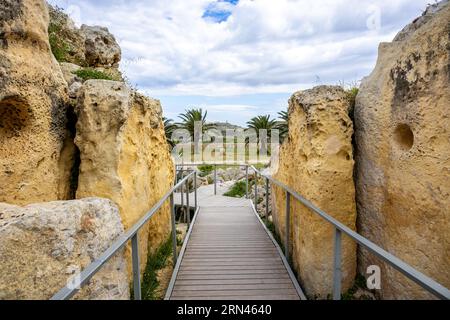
[263, 260]
[235, 265]
[184, 282]
[212, 268]
[227, 256]
[232, 260]
[232, 287]
[232, 272]
[240, 298]
[241, 247]
[225, 251]
[279, 276]
[242, 293]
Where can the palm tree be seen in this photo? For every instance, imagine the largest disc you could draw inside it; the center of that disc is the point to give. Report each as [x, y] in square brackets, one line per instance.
[169, 128]
[189, 120]
[283, 124]
[262, 123]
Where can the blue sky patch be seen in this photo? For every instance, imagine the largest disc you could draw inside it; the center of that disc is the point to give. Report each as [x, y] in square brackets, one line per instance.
[218, 12]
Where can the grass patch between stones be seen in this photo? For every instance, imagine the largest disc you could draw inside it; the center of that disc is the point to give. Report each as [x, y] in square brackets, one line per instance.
[156, 261]
[89, 74]
[205, 170]
[60, 48]
[238, 190]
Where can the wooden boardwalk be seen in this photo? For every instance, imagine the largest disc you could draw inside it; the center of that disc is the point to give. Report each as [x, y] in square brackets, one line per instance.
[229, 255]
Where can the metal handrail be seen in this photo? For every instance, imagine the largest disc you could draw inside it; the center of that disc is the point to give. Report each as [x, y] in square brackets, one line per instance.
[424, 281]
[215, 171]
[132, 234]
[416, 276]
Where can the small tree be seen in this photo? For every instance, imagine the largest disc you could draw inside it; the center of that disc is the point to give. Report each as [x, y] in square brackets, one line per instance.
[262, 123]
[189, 120]
[283, 124]
[169, 128]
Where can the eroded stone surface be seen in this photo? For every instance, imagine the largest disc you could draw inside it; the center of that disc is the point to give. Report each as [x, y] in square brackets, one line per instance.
[101, 47]
[33, 97]
[317, 162]
[42, 246]
[124, 155]
[403, 154]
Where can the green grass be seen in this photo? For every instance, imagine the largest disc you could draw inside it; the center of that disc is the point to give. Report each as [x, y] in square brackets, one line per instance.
[205, 170]
[156, 261]
[360, 283]
[59, 46]
[351, 96]
[271, 226]
[88, 74]
[238, 190]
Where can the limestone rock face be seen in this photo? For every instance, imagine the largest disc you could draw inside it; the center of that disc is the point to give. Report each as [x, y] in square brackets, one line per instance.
[101, 47]
[317, 162]
[43, 246]
[67, 35]
[402, 122]
[68, 70]
[33, 96]
[124, 155]
[85, 47]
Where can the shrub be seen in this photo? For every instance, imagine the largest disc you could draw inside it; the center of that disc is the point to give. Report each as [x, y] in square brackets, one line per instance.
[88, 74]
[156, 261]
[238, 190]
[205, 170]
[351, 96]
[60, 48]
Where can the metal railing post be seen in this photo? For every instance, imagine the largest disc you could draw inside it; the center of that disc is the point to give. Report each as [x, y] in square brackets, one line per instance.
[215, 179]
[267, 199]
[337, 273]
[174, 230]
[288, 226]
[182, 202]
[195, 190]
[246, 181]
[136, 268]
[176, 174]
[188, 209]
[256, 191]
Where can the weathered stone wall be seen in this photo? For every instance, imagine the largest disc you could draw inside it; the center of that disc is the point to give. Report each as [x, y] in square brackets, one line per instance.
[124, 155]
[403, 154]
[43, 246]
[317, 162]
[33, 95]
[88, 46]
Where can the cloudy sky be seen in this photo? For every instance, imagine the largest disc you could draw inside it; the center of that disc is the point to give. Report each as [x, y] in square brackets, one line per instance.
[241, 58]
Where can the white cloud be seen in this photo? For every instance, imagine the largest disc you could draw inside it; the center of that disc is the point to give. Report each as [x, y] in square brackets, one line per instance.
[265, 46]
[230, 108]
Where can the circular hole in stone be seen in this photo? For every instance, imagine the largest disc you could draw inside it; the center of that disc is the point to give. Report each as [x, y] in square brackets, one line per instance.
[15, 115]
[404, 137]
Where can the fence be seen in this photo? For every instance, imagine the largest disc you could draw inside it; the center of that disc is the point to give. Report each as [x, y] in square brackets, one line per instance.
[339, 229]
